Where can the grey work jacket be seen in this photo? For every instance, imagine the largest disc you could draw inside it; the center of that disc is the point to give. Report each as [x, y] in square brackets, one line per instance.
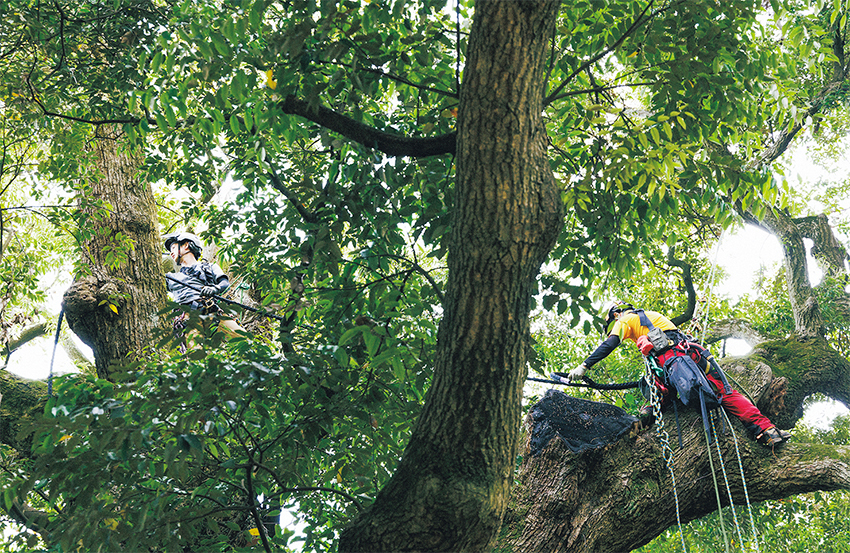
[198, 275]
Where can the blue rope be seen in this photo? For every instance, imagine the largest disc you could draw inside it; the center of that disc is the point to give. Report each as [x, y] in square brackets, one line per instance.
[53, 356]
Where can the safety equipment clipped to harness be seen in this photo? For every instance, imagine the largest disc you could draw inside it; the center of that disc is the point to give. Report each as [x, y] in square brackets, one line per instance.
[691, 385]
[657, 337]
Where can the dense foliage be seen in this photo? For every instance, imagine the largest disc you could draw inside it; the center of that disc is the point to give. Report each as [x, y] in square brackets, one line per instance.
[341, 223]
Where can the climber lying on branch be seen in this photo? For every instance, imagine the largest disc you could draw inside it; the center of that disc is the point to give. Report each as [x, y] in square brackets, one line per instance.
[635, 325]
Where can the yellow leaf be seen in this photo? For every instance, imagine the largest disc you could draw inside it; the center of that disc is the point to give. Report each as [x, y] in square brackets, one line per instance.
[254, 531]
[270, 82]
[111, 523]
[339, 476]
[65, 437]
[113, 308]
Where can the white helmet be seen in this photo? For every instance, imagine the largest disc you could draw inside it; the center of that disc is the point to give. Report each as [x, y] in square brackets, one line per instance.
[195, 244]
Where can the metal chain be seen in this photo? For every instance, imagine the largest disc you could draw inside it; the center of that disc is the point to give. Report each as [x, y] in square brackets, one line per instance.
[664, 440]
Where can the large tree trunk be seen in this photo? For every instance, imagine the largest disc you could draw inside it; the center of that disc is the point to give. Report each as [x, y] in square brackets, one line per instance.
[114, 308]
[451, 489]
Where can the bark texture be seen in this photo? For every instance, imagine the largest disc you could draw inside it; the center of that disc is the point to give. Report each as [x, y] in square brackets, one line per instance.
[451, 488]
[620, 497]
[134, 287]
[21, 401]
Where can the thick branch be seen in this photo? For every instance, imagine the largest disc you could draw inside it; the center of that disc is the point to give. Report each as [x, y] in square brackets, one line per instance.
[808, 320]
[388, 143]
[620, 497]
[734, 328]
[828, 251]
[27, 335]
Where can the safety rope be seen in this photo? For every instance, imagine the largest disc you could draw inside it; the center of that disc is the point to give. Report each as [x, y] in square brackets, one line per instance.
[743, 482]
[557, 378]
[53, 356]
[709, 285]
[714, 478]
[664, 439]
[726, 481]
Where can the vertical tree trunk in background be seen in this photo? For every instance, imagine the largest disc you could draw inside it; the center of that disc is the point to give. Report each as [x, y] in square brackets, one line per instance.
[134, 287]
[451, 488]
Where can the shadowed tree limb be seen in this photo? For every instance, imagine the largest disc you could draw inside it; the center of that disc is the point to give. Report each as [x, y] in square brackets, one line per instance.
[620, 497]
[734, 328]
[388, 143]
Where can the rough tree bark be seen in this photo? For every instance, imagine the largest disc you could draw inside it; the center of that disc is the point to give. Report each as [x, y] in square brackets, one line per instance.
[620, 497]
[451, 488]
[135, 287]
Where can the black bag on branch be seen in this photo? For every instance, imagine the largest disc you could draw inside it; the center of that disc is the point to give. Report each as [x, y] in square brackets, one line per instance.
[692, 387]
[580, 424]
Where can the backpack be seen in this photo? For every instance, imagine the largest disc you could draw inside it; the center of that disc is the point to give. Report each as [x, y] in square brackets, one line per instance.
[692, 387]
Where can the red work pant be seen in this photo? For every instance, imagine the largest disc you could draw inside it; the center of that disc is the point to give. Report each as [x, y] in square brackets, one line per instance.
[738, 405]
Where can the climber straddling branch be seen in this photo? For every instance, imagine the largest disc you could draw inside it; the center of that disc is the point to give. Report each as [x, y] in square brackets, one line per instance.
[657, 337]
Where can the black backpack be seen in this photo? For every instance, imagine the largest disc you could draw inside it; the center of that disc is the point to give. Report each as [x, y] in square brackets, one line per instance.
[692, 387]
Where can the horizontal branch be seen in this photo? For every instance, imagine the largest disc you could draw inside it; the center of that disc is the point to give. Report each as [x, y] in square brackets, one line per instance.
[28, 334]
[387, 143]
[568, 502]
[734, 328]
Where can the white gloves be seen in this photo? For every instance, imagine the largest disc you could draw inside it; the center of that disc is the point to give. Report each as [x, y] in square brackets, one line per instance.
[577, 373]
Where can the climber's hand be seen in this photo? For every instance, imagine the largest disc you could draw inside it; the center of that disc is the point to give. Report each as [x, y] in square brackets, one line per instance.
[209, 291]
[577, 373]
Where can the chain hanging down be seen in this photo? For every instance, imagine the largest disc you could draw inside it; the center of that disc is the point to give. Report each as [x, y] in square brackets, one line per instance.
[664, 440]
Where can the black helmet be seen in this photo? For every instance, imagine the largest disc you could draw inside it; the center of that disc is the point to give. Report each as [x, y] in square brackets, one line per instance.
[195, 244]
[616, 306]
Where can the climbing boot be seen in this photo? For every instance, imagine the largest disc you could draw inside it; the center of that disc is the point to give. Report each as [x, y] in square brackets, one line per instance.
[772, 437]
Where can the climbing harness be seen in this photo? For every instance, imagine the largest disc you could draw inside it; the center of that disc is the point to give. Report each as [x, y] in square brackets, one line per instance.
[711, 436]
[664, 439]
[53, 356]
[230, 302]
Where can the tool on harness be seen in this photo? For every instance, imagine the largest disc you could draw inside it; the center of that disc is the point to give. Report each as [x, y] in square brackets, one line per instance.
[681, 373]
[227, 301]
[657, 337]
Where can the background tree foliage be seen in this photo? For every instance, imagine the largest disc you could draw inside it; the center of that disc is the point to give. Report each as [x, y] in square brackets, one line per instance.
[314, 144]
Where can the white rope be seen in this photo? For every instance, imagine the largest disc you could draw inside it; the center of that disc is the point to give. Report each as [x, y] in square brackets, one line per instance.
[743, 482]
[710, 287]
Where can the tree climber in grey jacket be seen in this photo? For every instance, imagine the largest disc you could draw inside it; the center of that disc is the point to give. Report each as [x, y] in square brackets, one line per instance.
[202, 280]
